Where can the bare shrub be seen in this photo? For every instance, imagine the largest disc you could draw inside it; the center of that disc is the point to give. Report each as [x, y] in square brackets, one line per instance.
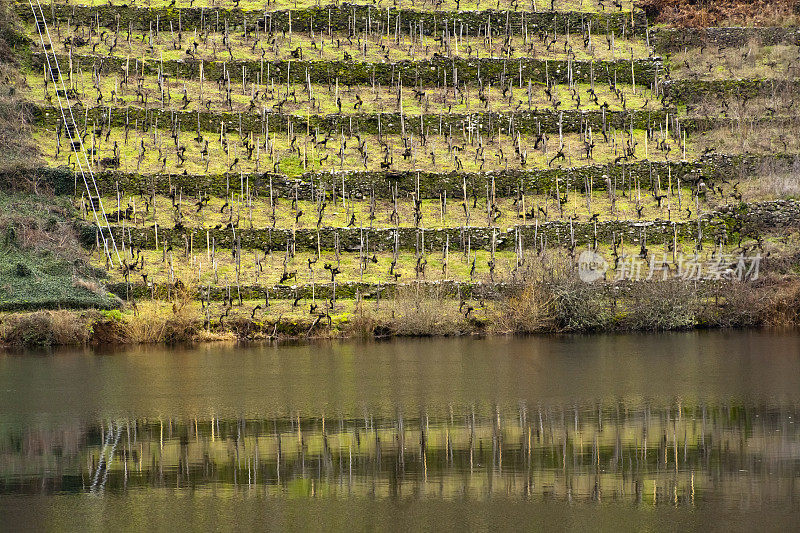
[423, 311]
[528, 310]
[579, 306]
[734, 304]
[783, 306]
[661, 305]
[551, 296]
[107, 331]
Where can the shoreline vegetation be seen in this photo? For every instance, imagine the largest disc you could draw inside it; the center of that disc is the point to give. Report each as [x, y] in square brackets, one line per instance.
[567, 305]
[463, 169]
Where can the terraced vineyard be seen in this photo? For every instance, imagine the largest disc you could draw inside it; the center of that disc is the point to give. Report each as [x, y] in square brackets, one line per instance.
[290, 165]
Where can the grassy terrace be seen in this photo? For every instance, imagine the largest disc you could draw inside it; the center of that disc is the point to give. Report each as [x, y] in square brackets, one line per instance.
[586, 6]
[156, 150]
[742, 118]
[754, 60]
[781, 104]
[274, 96]
[335, 46]
[258, 268]
[220, 267]
[260, 212]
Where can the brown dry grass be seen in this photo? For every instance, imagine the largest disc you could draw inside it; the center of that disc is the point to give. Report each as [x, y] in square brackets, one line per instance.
[46, 328]
[149, 325]
[782, 307]
[18, 152]
[704, 13]
[54, 235]
[419, 311]
[752, 137]
[773, 179]
[530, 310]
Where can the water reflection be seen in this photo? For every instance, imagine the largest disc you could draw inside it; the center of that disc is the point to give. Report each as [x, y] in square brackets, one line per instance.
[677, 454]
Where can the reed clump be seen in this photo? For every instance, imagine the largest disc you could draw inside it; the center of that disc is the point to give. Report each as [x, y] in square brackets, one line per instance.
[152, 324]
[421, 311]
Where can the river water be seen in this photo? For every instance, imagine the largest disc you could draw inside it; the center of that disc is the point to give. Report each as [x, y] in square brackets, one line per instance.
[630, 432]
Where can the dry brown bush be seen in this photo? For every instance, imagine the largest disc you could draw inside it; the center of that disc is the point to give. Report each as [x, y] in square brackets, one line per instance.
[528, 310]
[363, 325]
[108, 331]
[735, 304]
[661, 305]
[46, 328]
[149, 325]
[782, 307]
[421, 311]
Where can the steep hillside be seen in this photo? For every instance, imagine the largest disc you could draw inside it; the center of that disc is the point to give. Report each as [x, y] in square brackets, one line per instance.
[418, 168]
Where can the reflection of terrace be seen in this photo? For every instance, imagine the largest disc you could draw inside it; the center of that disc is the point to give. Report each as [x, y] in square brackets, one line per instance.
[637, 456]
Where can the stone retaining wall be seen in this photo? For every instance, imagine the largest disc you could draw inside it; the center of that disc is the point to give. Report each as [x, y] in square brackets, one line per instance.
[692, 91]
[390, 123]
[320, 291]
[429, 72]
[360, 185]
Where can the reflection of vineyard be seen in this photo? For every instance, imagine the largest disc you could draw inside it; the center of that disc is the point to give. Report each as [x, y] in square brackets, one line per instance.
[642, 454]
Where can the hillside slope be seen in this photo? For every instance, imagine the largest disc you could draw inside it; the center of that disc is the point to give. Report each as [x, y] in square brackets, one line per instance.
[414, 169]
